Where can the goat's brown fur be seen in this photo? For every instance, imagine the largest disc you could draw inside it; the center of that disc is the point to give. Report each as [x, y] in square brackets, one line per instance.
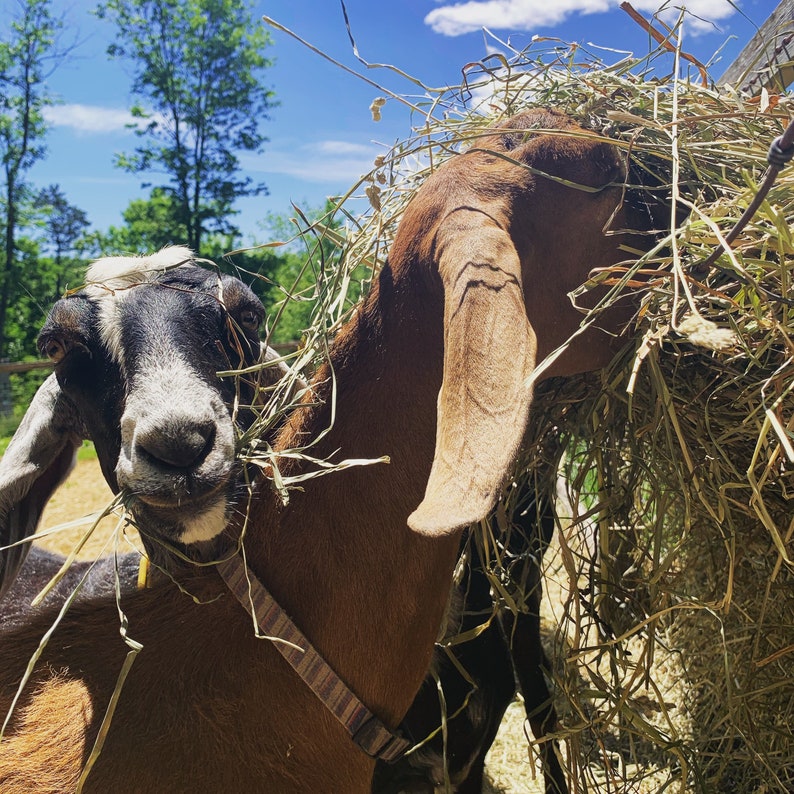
[207, 706]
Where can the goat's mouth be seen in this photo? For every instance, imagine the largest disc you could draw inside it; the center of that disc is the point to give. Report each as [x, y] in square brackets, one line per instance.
[180, 495]
[183, 506]
[177, 461]
[186, 520]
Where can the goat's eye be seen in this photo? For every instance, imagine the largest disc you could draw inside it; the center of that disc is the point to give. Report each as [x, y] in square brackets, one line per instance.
[250, 320]
[55, 350]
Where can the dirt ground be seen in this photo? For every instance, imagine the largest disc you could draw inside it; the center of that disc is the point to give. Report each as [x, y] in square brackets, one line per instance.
[509, 768]
[84, 492]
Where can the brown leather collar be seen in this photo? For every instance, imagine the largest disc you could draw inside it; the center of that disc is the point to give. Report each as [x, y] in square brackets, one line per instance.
[366, 730]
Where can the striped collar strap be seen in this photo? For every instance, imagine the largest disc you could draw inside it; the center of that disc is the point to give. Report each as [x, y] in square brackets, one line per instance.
[366, 730]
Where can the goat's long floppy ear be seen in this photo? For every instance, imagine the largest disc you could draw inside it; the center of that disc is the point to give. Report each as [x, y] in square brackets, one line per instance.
[489, 353]
[271, 375]
[36, 462]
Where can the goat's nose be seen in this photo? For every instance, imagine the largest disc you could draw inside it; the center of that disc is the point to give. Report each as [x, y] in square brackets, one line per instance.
[180, 445]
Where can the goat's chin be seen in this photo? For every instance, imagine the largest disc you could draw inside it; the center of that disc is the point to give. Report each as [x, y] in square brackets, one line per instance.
[206, 525]
[187, 523]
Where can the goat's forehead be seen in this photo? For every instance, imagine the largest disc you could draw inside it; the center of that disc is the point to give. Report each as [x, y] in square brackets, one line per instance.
[113, 278]
[106, 276]
[131, 294]
[146, 314]
[129, 299]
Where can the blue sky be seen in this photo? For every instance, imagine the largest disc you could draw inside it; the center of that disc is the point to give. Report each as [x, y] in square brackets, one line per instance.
[321, 135]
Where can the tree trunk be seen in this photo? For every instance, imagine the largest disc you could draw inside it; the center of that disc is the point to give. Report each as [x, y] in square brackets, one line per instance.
[8, 265]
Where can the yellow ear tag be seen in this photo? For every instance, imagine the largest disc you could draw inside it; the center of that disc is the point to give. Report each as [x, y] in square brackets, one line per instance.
[143, 573]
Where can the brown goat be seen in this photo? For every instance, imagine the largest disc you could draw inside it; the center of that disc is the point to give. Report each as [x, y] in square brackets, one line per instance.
[502, 648]
[432, 371]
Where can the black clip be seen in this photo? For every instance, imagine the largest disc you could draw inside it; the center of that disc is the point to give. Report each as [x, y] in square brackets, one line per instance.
[777, 156]
[377, 741]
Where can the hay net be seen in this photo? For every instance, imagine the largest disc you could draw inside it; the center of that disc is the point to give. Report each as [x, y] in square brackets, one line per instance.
[671, 625]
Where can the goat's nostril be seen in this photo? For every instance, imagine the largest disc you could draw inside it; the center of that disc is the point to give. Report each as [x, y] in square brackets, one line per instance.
[182, 448]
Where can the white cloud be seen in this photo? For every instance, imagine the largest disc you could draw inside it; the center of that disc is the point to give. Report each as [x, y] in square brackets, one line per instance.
[329, 161]
[455, 19]
[459, 18]
[344, 148]
[88, 118]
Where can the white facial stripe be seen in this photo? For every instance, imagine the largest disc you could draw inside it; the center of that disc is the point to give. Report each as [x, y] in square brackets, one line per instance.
[110, 326]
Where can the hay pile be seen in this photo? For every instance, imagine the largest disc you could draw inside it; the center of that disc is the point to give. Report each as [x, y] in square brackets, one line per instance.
[675, 644]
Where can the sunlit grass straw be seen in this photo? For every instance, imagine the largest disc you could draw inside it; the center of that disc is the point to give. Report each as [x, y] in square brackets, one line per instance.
[111, 542]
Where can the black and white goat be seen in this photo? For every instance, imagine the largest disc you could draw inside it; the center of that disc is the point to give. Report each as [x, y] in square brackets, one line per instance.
[136, 354]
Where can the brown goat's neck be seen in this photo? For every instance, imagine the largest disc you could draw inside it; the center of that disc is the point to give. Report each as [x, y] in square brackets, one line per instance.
[340, 558]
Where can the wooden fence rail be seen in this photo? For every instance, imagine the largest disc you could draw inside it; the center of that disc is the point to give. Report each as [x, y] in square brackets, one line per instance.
[8, 367]
[767, 61]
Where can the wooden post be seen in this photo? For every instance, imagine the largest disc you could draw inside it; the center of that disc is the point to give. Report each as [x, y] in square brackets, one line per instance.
[768, 60]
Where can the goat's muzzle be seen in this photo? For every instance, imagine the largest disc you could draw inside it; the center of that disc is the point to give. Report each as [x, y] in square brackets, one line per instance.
[180, 443]
[177, 462]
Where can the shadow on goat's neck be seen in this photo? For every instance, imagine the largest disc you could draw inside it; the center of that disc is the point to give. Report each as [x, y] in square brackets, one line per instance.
[341, 552]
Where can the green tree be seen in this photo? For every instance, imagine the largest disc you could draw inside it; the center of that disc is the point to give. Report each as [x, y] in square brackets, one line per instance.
[197, 74]
[64, 224]
[297, 275]
[31, 298]
[149, 224]
[27, 57]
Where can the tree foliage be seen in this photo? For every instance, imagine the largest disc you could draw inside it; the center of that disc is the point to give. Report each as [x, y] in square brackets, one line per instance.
[31, 300]
[27, 55]
[197, 76]
[295, 275]
[64, 225]
[149, 224]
